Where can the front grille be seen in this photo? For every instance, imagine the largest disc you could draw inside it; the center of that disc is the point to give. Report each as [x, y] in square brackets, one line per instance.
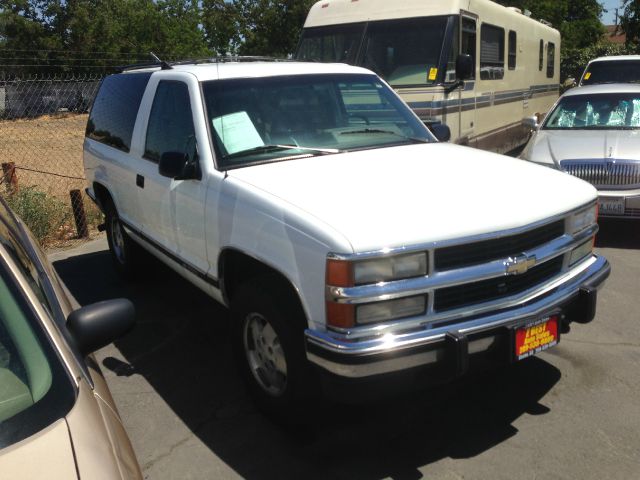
[488, 250]
[604, 173]
[483, 291]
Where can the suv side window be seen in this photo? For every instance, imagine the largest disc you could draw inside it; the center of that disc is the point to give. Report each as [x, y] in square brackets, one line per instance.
[170, 126]
[114, 111]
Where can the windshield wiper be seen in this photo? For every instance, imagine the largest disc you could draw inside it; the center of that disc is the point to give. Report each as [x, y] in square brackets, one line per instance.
[388, 132]
[275, 148]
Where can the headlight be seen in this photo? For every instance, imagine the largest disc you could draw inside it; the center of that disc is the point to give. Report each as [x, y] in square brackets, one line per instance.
[583, 219]
[345, 273]
[581, 251]
[390, 268]
[390, 309]
[370, 271]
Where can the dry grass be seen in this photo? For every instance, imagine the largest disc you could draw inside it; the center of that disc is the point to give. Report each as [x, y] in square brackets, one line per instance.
[51, 144]
[47, 153]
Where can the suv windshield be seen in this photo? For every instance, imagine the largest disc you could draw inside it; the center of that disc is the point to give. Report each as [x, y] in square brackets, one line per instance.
[612, 71]
[404, 52]
[256, 120]
[608, 111]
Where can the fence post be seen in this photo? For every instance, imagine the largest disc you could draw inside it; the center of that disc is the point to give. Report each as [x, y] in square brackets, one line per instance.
[9, 172]
[78, 213]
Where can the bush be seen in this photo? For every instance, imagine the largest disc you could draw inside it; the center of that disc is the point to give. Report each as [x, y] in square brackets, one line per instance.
[42, 213]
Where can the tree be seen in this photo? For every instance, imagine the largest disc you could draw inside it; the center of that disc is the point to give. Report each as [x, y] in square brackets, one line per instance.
[630, 23]
[254, 27]
[577, 20]
[79, 35]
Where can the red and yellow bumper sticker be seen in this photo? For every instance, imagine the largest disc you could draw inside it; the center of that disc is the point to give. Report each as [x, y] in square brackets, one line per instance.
[536, 337]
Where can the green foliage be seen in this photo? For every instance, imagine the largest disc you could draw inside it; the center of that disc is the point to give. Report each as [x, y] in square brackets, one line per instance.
[574, 61]
[254, 27]
[85, 34]
[42, 213]
[630, 23]
[577, 20]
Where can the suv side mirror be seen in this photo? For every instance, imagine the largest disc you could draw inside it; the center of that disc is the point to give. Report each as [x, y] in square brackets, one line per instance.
[172, 164]
[464, 67]
[441, 131]
[99, 324]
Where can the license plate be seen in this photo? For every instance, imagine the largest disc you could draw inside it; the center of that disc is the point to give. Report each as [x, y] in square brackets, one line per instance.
[536, 336]
[611, 205]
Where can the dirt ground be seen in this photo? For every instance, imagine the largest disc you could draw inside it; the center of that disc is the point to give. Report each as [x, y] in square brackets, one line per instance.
[46, 150]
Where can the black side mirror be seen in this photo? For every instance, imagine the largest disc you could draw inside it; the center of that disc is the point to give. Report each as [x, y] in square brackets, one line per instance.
[99, 324]
[441, 131]
[172, 164]
[464, 67]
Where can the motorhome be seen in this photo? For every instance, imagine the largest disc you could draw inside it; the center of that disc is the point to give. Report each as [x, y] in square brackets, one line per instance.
[415, 45]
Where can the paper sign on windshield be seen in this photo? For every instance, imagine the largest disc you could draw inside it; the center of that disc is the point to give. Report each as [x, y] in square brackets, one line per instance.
[237, 132]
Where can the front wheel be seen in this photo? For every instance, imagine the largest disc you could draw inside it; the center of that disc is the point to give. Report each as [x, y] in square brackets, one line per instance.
[269, 347]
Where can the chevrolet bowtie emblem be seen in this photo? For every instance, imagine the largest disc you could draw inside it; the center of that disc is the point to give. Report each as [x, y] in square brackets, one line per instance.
[520, 264]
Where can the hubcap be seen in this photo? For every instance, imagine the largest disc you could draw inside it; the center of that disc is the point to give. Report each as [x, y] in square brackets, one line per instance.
[265, 354]
[117, 239]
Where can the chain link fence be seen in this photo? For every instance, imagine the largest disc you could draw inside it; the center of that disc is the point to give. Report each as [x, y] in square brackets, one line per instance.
[42, 124]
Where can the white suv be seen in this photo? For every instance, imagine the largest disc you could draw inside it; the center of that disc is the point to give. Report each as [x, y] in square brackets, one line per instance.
[348, 242]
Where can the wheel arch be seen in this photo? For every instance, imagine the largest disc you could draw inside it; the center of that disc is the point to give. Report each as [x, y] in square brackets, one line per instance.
[236, 267]
[103, 196]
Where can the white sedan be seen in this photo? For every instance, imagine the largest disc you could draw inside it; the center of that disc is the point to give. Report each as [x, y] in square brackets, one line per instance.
[594, 133]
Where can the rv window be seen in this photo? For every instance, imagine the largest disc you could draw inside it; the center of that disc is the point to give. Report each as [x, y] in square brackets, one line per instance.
[469, 41]
[551, 57]
[491, 52]
[512, 49]
[407, 51]
[541, 55]
[339, 43]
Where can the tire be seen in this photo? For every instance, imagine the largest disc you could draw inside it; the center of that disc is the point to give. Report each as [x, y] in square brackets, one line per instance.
[125, 253]
[268, 342]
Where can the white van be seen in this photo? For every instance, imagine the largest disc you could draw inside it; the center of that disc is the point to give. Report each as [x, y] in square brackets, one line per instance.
[415, 46]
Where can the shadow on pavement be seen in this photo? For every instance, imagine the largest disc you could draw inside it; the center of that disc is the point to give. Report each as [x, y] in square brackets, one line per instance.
[181, 347]
[618, 233]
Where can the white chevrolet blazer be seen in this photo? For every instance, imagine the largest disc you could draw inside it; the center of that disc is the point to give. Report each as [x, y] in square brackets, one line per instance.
[349, 243]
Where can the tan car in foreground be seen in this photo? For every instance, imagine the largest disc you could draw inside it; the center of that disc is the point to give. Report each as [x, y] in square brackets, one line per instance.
[57, 417]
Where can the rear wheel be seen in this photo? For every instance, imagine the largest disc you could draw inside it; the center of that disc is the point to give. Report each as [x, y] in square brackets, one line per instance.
[268, 326]
[124, 252]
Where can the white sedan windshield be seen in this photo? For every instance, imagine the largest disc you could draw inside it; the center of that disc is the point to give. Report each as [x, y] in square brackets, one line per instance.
[601, 111]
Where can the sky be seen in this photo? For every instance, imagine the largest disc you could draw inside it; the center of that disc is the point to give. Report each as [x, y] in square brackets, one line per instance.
[608, 18]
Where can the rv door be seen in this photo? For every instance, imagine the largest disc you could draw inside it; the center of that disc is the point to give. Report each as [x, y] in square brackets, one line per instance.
[467, 94]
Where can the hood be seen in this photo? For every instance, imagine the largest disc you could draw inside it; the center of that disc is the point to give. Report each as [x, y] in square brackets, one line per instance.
[47, 454]
[391, 197]
[553, 146]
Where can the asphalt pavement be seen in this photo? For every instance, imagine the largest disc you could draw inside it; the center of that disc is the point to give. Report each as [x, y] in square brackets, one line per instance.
[572, 412]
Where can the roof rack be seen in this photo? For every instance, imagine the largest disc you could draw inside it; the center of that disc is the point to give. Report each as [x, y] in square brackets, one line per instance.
[200, 61]
[140, 66]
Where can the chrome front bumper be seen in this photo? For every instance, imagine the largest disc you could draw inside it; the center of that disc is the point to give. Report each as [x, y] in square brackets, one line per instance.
[394, 352]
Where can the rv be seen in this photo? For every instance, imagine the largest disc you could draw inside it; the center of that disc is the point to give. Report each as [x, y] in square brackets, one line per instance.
[474, 65]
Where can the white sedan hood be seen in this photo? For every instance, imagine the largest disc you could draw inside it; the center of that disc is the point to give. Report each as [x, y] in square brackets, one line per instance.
[391, 197]
[553, 146]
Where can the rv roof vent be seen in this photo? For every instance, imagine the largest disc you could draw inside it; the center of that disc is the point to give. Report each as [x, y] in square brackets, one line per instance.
[527, 13]
[515, 9]
[544, 22]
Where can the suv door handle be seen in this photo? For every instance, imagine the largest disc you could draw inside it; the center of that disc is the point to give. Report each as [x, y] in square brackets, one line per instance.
[140, 181]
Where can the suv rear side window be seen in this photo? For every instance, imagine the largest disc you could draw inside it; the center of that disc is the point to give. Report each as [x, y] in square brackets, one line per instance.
[170, 122]
[114, 111]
